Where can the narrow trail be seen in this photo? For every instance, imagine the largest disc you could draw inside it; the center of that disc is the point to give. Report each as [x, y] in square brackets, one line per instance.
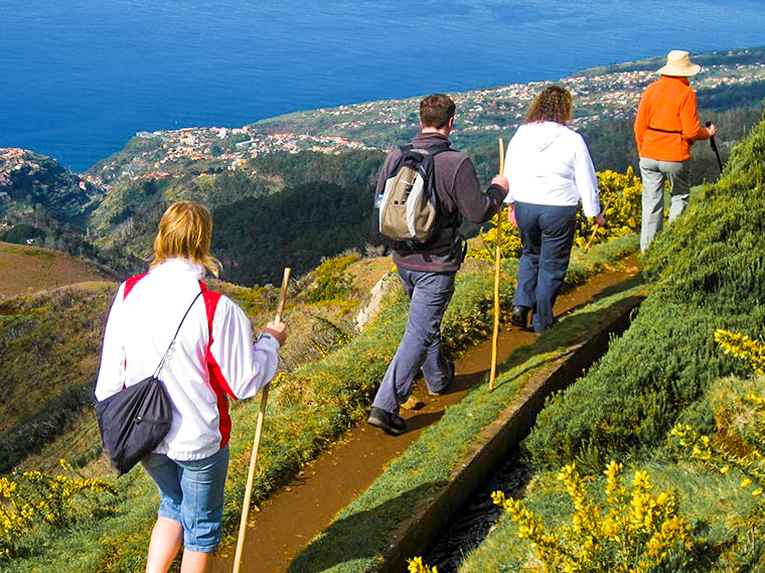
[293, 515]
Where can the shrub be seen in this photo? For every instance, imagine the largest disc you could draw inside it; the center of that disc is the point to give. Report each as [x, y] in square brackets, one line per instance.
[33, 500]
[416, 565]
[619, 196]
[331, 281]
[636, 531]
[707, 270]
[739, 407]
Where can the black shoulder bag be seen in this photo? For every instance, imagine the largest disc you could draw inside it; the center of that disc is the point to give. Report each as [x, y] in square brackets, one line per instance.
[134, 421]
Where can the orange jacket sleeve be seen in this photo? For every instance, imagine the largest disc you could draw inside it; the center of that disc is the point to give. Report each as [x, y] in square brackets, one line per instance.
[689, 119]
[641, 123]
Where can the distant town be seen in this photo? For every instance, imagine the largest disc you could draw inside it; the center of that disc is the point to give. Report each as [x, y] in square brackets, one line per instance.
[378, 125]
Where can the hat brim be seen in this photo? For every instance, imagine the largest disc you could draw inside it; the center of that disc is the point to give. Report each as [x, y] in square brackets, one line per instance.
[677, 70]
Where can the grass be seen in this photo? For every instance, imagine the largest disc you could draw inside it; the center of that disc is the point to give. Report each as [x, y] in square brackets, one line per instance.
[308, 410]
[707, 500]
[24, 269]
[707, 272]
[49, 344]
[354, 542]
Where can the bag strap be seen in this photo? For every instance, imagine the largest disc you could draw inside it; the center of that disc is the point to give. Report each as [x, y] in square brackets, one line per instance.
[167, 352]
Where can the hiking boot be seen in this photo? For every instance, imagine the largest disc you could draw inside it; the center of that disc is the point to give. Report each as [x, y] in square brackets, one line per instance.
[450, 366]
[520, 316]
[388, 422]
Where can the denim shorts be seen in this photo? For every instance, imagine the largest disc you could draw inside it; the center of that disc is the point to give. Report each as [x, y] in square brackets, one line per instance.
[191, 493]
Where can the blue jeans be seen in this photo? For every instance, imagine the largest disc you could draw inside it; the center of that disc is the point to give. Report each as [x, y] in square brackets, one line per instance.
[191, 493]
[420, 348]
[547, 233]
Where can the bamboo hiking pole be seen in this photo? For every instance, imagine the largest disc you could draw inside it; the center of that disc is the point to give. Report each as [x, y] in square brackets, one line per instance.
[258, 436]
[595, 230]
[497, 261]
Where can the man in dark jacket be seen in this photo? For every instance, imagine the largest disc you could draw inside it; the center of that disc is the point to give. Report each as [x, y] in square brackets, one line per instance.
[427, 272]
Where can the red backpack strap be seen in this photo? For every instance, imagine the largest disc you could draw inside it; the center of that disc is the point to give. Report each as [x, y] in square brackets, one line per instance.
[217, 380]
[211, 299]
[130, 283]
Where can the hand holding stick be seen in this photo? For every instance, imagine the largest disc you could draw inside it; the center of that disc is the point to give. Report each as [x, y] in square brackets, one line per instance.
[497, 261]
[258, 436]
[595, 229]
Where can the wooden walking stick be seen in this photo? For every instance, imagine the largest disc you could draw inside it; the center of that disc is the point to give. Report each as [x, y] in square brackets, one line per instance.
[258, 436]
[595, 230]
[497, 261]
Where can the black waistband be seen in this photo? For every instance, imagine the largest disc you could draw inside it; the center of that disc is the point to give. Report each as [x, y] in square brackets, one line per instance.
[664, 130]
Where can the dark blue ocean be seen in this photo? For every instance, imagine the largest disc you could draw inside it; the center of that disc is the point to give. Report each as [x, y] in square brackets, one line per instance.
[80, 77]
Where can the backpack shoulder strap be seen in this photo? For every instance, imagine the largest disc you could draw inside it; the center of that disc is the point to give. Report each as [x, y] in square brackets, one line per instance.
[396, 165]
[130, 283]
[211, 299]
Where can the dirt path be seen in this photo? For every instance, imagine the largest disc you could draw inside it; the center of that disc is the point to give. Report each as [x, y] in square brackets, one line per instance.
[290, 518]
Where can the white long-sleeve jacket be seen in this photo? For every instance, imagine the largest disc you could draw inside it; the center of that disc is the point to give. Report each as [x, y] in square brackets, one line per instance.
[549, 164]
[213, 358]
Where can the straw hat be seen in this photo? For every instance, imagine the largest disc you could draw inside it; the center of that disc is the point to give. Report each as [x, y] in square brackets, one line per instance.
[679, 64]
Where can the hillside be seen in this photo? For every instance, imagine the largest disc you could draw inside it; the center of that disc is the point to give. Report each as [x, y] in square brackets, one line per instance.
[56, 334]
[243, 173]
[606, 94]
[30, 182]
[295, 188]
[26, 269]
[678, 400]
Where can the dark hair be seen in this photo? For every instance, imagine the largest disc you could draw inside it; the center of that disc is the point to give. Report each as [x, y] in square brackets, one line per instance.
[436, 110]
[553, 104]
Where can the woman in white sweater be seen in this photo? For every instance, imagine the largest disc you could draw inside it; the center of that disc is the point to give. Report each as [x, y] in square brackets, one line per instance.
[550, 172]
[212, 360]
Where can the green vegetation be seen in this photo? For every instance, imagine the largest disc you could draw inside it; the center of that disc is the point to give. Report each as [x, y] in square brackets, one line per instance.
[310, 407]
[354, 542]
[331, 280]
[49, 347]
[708, 274]
[297, 227]
[32, 502]
[666, 399]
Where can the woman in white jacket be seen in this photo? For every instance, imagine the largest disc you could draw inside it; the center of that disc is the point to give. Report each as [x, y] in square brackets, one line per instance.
[212, 360]
[550, 172]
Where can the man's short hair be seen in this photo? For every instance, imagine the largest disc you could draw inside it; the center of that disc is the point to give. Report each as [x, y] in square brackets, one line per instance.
[436, 110]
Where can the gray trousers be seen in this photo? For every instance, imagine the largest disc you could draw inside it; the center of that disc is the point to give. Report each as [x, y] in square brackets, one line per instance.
[654, 173]
[420, 348]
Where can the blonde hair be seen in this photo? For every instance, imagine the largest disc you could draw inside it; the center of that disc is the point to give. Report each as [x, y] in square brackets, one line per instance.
[185, 231]
[553, 104]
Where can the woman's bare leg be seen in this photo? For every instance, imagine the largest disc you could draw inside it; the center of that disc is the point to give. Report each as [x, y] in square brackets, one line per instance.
[166, 541]
[195, 562]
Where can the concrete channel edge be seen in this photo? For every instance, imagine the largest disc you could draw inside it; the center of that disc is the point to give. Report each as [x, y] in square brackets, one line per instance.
[498, 439]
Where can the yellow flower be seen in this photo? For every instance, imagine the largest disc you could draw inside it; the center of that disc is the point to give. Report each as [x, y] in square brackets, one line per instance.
[742, 347]
[416, 565]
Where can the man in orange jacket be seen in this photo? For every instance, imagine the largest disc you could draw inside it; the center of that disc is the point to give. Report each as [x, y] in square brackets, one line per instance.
[666, 126]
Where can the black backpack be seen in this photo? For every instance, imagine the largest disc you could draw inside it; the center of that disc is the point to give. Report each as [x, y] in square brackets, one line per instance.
[408, 211]
[134, 421]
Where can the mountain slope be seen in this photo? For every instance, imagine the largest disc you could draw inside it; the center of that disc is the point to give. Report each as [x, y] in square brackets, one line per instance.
[30, 182]
[24, 269]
